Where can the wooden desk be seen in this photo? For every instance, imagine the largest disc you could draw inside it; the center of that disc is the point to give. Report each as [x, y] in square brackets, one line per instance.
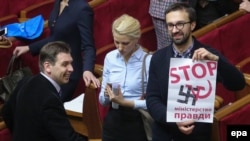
[76, 120]
[89, 123]
[77, 123]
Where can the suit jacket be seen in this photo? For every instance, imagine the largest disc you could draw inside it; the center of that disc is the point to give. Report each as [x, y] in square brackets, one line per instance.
[157, 8]
[8, 109]
[157, 93]
[75, 27]
[39, 114]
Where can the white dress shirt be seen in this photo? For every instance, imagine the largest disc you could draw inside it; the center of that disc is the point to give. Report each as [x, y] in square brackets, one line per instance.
[129, 76]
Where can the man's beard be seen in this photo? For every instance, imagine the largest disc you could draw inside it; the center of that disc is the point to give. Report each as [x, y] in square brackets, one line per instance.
[183, 41]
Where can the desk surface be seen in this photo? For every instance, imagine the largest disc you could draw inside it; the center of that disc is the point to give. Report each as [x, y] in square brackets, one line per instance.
[77, 123]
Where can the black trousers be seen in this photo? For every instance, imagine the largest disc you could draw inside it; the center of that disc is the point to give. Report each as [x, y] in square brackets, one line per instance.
[123, 124]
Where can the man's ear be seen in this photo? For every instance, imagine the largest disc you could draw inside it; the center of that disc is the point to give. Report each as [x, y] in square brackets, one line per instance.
[193, 25]
[47, 67]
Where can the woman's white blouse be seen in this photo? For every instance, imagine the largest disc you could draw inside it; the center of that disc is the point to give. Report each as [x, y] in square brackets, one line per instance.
[129, 76]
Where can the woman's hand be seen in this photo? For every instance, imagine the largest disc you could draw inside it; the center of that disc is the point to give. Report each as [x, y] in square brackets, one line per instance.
[117, 98]
[19, 50]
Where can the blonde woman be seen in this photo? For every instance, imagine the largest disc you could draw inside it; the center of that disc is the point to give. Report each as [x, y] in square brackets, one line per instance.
[123, 67]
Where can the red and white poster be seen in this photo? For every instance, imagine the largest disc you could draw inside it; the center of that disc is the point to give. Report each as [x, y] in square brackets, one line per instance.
[191, 92]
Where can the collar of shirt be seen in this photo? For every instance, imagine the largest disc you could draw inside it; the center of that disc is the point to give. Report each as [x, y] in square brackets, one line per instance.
[186, 54]
[58, 88]
[137, 55]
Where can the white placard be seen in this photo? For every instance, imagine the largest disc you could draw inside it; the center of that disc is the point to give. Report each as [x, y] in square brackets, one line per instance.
[191, 92]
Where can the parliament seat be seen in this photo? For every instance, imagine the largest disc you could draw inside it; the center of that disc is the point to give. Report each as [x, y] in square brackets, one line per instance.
[229, 35]
[241, 65]
[106, 13]
[14, 6]
[218, 23]
[6, 53]
[8, 19]
[226, 36]
[236, 113]
[42, 8]
[88, 123]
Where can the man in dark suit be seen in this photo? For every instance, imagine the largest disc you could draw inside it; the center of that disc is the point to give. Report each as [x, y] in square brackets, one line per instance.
[34, 112]
[71, 21]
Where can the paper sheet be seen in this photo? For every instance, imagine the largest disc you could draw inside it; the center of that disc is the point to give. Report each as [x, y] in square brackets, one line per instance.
[75, 104]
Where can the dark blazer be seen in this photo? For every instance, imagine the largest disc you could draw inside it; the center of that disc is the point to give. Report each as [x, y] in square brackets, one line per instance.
[75, 27]
[8, 109]
[39, 114]
[157, 94]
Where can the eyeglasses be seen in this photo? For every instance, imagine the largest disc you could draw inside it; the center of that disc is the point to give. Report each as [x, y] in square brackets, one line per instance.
[179, 26]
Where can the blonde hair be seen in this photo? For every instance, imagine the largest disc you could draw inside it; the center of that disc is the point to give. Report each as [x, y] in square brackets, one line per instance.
[127, 25]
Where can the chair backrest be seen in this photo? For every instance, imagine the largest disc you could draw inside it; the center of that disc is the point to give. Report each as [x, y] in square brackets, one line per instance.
[95, 3]
[8, 19]
[217, 35]
[242, 93]
[44, 8]
[147, 40]
[221, 35]
[106, 13]
[218, 23]
[237, 113]
[91, 113]
[5, 135]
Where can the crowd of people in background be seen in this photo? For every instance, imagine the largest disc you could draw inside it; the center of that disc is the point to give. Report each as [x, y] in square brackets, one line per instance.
[207, 12]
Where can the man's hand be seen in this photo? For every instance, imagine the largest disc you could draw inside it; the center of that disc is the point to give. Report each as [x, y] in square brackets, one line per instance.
[186, 127]
[89, 77]
[245, 5]
[203, 54]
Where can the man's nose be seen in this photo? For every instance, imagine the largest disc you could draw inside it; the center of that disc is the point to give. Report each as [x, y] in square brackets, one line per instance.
[70, 68]
[175, 29]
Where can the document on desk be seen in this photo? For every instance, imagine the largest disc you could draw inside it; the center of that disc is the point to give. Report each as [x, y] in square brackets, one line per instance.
[75, 104]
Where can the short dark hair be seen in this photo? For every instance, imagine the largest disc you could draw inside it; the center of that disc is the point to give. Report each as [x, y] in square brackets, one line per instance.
[185, 7]
[50, 51]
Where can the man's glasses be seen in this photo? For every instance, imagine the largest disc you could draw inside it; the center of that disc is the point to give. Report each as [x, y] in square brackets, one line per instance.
[179, 26]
